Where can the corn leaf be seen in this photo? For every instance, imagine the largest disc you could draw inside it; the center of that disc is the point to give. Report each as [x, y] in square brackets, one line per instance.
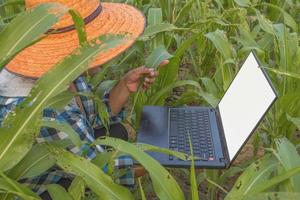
[36, 161]
[27, 28]
[193, 180]
[80, 27]
[256, 173]
[57, 192]
[141, 189]
[294, 120]
[288, 19]
[274, 195]
[94, 177]
[148, 147]
[184, 12]
[152, 30]
[156, 57]
[243, 3]
[164, 184]
[60, 101]
[8, 185]
[265, 24]
[220, 41]
[21, 126]
[64, 127]
[284, 73]
[77, 188]
[161, 94]
[260, 187]
[155, 19]
[289, 158]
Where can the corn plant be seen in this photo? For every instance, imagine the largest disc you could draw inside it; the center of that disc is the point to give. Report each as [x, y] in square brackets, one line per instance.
[209, 39]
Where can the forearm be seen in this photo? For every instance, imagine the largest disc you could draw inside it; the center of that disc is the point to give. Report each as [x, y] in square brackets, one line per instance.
[118, 97]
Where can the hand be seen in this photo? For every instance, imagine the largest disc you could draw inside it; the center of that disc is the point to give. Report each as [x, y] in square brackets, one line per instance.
[132, 78]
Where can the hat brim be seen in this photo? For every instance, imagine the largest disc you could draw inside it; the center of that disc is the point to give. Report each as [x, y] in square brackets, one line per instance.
[115, 18]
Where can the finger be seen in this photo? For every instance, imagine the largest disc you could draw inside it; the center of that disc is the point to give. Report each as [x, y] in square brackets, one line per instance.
[144, 88]
[146, 84]
[164, 62]
[143, 70]
[153, 74]
[149, 80]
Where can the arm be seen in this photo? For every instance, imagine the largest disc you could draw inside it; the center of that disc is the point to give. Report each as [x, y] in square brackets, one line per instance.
[129, 84]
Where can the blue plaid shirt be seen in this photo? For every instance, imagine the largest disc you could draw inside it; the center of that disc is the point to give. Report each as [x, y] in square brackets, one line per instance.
[83, 124]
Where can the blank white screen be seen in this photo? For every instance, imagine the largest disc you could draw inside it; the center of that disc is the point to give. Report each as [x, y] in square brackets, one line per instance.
[244, 104]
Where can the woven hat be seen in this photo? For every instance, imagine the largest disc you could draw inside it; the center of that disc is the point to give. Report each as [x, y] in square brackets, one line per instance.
[100, 18]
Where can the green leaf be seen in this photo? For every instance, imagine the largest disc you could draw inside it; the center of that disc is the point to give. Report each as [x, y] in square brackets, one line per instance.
[289, 157]
[141, 190]
[64, 127]
[184, 12]
[152, 30]
[11, 186]
[21, 126]
[253, 175]
[193, 179]
[243, 3]
[80, 27]
[94, 177]
[265, 24]
[57, 192]
[77, 188]
[294, 120]
[61, 100]
[220, 41]
[154, 19]
[36, 161]
[260, 187]
[288, 19]
[105, 86]
[97, 79]
[209, 98]
[210, 85]
[164, 184]
[161, 94]
[156, 57]
[274, 195]
[284, 73]
[27, 28]
[148, 147]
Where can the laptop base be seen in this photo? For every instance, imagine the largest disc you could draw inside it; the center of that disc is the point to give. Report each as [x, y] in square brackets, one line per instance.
[157, 129]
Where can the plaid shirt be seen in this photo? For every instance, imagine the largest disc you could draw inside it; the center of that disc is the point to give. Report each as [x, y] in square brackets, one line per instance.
[83, 124]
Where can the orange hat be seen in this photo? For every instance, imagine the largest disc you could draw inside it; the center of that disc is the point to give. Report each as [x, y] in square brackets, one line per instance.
[100, 18]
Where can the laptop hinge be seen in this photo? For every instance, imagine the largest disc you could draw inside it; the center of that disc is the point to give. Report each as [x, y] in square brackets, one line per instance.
[222, 136]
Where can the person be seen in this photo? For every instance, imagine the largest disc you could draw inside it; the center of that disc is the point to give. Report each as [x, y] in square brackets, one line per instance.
[20, 75]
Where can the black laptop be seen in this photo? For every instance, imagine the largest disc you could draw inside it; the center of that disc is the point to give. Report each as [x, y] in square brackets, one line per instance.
[217, 134]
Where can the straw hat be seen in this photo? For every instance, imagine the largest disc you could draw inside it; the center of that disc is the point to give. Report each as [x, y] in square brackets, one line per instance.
[100, 18]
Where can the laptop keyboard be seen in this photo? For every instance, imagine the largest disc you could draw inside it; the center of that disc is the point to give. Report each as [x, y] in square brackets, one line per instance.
[193, 122]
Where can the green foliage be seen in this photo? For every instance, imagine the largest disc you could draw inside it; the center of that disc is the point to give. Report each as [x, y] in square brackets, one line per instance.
[13, 187]
[164, 184]
[58, 192]
[95, 178]
[209, 40]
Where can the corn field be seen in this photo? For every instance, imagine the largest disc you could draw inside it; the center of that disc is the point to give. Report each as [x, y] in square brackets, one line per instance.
[207, 41]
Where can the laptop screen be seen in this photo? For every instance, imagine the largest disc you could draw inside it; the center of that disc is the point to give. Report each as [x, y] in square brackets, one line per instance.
[244, 104]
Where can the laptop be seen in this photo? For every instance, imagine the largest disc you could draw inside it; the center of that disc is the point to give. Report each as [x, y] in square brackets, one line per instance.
[217, 134]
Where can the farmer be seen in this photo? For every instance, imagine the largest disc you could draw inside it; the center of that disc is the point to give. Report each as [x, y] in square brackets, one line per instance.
[19, 76]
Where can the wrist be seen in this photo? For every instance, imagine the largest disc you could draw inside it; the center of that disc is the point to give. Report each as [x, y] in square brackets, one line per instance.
[124, 86]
